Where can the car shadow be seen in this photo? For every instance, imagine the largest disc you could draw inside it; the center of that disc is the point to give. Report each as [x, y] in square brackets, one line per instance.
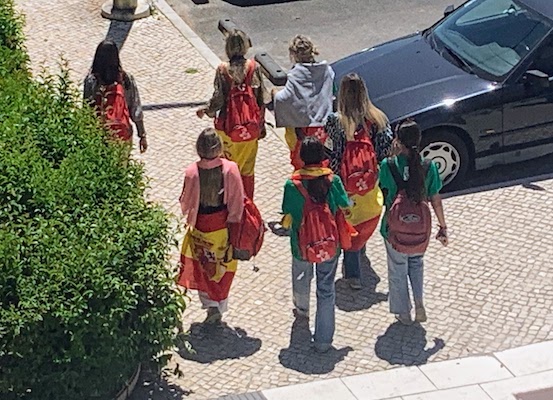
[349, 300]
[406, 345]
[525, 173]
[212, 343]
[301, 356]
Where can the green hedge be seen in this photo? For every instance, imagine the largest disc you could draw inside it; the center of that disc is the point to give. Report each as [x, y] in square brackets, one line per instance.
[85, 288]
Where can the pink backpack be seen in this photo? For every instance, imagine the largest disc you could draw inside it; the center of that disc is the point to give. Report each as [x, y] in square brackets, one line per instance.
[409, 223]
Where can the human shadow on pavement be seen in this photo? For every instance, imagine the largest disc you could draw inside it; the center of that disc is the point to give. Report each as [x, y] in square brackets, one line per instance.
[406, 345]
[348, 299]
[119, 32]
[212, 343]
[301, 356]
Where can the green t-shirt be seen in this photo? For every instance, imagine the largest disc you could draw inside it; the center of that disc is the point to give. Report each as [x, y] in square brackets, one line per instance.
[388, 185]
[293, 202]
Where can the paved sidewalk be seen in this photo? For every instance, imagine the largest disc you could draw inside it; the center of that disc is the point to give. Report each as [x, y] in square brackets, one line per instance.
[491, 290]
[522, 373]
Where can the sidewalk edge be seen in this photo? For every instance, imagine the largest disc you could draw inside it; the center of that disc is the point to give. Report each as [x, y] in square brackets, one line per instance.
[188, 33]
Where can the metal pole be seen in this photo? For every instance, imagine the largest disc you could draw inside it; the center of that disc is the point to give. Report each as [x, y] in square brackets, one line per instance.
[125, 10]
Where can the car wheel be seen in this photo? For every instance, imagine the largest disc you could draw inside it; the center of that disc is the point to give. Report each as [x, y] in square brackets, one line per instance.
[450, 154]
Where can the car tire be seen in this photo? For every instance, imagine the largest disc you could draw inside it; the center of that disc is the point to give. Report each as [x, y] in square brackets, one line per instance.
[450, 154]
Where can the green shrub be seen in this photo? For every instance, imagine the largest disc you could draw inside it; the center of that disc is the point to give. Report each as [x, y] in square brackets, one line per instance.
[86, 292]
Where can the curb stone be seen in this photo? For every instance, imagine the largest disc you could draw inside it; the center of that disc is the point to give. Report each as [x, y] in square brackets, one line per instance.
[188, 33]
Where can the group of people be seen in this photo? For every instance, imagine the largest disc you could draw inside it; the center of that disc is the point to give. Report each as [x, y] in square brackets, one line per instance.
[347, 165]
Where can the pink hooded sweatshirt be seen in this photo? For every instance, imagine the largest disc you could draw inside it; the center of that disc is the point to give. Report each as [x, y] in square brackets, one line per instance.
[233, 195]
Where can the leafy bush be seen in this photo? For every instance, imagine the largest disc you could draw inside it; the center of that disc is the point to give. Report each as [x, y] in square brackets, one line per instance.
[85, 289]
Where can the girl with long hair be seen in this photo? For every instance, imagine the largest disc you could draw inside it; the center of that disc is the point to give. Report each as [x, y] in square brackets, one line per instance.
[358, 123]
[242, 73]
[306, 100]
[322, 186]
[212, 198]
[421, 182]
[105, 79]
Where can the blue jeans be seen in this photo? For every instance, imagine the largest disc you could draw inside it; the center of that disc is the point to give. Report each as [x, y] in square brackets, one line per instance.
[401, 268]
[352, 264]
[302, 274]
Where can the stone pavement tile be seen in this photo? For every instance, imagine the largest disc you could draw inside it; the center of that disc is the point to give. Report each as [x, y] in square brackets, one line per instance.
[330, 389]
[507, 389]
[462, 393]
[528, 359]
[465, 371]
[386, 384]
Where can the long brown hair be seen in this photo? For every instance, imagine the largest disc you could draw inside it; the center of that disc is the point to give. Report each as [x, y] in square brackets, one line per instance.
[236, 46]
[209, 146]
[409, 135]
[355, 107]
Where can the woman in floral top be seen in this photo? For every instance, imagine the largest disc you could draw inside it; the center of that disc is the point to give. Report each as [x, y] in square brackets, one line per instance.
[357, 116]
[237, 71]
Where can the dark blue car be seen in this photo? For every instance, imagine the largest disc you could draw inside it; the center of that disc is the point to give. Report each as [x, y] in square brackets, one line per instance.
[478, 83]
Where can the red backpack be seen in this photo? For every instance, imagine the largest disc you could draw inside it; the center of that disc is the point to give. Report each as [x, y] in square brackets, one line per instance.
[247, 236]
[359, 169]
[111, 107]
[318, 233]
[243, 119]
[409, 223]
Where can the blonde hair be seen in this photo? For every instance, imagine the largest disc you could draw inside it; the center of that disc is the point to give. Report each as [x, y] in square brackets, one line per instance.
[209, 144]
[236, 46]
[302, 49]
[355, 107]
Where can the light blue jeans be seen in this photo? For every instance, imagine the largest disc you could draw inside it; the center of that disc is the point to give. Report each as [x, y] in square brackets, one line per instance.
[401, 269]
[302, 274]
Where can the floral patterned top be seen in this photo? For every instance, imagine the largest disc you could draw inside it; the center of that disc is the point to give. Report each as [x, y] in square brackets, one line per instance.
[336, 142]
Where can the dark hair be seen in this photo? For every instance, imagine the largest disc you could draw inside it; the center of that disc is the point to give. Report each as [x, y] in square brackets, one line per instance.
[106, 65]
[312, 153]
[409, 135]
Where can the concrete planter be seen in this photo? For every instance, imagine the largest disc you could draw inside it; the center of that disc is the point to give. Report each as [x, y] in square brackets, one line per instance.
[126, 10]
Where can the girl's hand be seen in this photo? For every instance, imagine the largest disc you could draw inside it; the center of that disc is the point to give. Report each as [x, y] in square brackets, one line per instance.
[200, 113]
[442, 236]
[143, 144]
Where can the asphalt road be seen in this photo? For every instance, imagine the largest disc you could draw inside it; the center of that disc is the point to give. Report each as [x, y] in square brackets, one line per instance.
[338, 28]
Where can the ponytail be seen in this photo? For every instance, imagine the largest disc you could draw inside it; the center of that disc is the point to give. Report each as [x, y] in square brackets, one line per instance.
[409, 135]
[416, 187]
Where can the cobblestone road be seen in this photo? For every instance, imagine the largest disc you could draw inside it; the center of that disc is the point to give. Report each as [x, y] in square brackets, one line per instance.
[492, 289]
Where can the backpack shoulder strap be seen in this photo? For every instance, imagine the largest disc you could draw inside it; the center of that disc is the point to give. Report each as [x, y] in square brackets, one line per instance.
[300, 134]
[299, 185]
[223, 67]
[398, 179]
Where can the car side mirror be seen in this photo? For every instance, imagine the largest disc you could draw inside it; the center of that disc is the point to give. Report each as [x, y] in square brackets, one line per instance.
[448, 10]
[536, 78]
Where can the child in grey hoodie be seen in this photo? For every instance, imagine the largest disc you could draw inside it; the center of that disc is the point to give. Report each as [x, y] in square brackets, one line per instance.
[306, 100]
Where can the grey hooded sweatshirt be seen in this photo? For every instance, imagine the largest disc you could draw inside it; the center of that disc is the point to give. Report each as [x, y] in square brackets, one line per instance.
[306, 100]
